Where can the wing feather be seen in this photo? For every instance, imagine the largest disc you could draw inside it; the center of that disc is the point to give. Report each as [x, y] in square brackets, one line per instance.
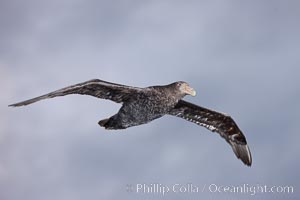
[216, 122]
[97, 88]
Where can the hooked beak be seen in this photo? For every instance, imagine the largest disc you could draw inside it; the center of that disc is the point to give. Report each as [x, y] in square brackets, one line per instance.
[190, 91]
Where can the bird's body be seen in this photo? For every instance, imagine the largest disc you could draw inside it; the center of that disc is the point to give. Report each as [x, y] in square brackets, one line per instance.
[155, 101]
[143, 105]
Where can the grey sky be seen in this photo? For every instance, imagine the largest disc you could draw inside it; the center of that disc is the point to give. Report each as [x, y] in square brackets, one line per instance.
[241, 57]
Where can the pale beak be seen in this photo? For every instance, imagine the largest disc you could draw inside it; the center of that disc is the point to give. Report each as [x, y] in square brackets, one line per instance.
[190, 91]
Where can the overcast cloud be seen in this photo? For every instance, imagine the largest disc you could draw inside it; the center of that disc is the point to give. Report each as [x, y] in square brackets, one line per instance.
[242, 57]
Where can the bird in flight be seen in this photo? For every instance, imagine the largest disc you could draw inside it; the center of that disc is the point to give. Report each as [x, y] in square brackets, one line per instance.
[142, 105]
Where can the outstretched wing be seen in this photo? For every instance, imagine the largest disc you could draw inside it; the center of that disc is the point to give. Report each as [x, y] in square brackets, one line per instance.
[97, 88]
[216, 122]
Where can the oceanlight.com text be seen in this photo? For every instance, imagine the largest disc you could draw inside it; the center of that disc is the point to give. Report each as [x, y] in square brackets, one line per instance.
[189, 188]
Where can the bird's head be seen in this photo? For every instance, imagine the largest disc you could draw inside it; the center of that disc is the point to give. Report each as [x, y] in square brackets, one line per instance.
[184, 88]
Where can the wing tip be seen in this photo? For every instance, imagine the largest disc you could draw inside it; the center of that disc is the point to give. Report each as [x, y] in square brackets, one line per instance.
[15, 105]
[25, 103]
[243, 153]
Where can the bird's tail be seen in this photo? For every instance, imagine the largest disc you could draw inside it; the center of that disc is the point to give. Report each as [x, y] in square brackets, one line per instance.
[111, 124]
[103, 122]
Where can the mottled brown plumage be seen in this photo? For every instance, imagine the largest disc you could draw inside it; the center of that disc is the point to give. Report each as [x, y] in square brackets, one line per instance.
[142, 105]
